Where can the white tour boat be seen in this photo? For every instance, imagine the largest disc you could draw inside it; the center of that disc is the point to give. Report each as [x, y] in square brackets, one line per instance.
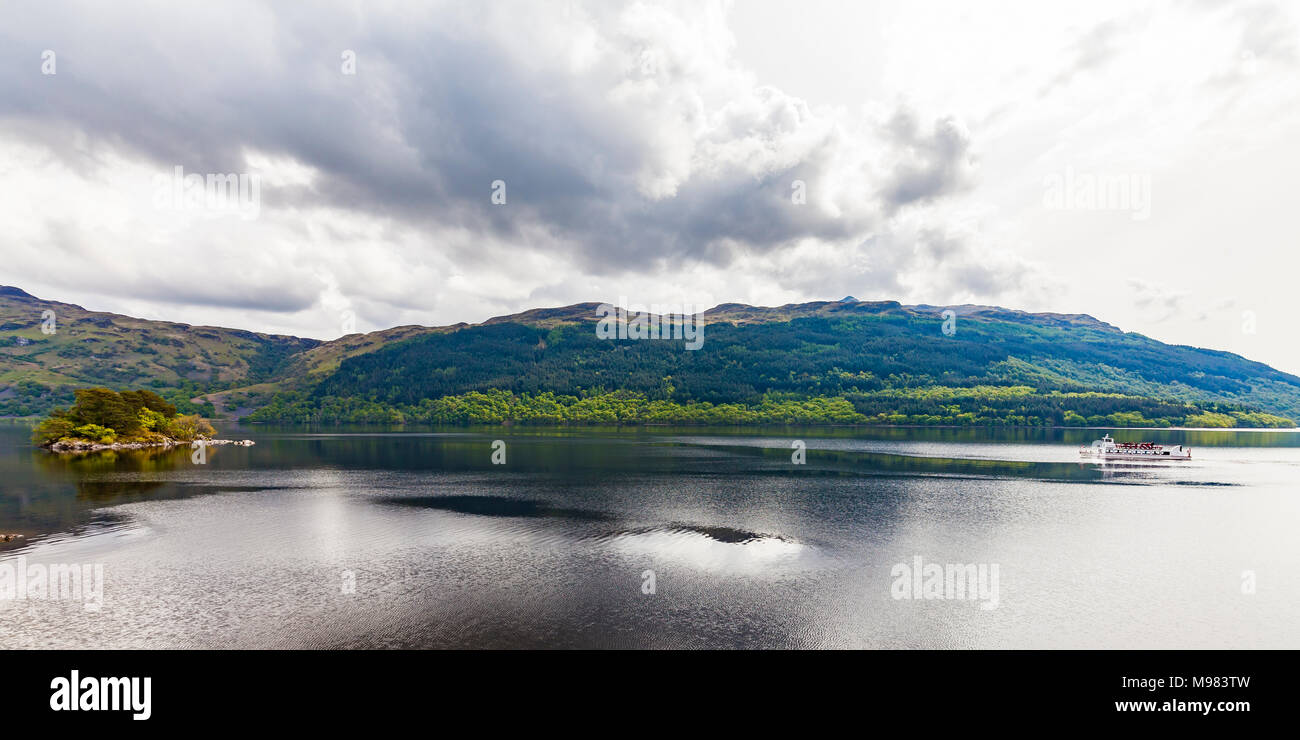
[1108, 449]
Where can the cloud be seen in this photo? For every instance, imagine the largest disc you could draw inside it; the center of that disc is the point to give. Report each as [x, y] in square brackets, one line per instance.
[1090, 51]
[934, 165]
[1158, 302]
[1266, 37]
[628, 139]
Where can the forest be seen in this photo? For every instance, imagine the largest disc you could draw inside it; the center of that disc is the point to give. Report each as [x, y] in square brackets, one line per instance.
[978, 406]
[862, 369]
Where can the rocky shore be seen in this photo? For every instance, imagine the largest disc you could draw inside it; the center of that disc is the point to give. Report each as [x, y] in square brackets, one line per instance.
[81, 445]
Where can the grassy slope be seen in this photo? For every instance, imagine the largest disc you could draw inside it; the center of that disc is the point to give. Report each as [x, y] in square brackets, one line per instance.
[242, 370]
[90, 348]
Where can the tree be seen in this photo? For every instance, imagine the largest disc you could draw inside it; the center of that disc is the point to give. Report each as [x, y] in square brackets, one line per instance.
[95, 433]
[52, 429]
[106, 408]
[146, 399]
[188, 427]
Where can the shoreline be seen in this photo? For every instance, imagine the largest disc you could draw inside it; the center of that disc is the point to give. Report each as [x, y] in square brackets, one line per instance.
[24, 420]
[86, 446]
[759, 425]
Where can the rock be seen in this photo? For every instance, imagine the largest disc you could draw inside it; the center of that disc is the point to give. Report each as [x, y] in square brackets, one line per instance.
[85, 446]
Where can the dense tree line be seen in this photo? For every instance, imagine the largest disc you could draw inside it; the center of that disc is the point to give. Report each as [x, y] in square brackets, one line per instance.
[982, 405]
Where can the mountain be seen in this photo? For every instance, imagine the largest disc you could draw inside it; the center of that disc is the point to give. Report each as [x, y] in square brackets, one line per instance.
[48, 348]
[848, 360]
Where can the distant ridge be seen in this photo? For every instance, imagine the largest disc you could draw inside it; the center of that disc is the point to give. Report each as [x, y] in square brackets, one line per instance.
[12, 292]
[848, 346]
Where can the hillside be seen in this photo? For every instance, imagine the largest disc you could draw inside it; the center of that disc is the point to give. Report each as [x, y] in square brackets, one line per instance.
[38, 370]
[883, 361]
[846, 361]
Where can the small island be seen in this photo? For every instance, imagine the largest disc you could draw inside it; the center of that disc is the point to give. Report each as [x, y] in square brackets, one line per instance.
[104, 419]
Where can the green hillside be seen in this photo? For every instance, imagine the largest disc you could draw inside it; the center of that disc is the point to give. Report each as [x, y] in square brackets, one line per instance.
[842, 361]
[40, 370]
[855, 361]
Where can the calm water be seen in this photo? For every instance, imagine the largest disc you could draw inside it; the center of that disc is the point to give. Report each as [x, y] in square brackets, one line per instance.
[409, 539]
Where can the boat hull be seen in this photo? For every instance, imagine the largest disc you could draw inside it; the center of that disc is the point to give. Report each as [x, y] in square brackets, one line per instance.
[1138, 456]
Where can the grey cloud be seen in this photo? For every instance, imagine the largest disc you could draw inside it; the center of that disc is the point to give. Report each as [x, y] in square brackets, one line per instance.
[698, 165]
[961, 269]
[1156, 300]
[176, 276]
[984, 279]
[278, 297]
[926, 265]
[938, 163]
[1090, 51]
[939, 245]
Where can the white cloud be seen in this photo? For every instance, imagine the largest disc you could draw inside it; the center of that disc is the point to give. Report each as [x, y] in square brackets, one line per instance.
[648, 150]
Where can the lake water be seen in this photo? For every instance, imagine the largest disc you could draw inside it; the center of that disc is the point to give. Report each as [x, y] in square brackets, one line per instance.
[357, 538]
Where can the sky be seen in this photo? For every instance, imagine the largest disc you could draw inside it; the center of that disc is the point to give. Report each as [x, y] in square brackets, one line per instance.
[432, 163]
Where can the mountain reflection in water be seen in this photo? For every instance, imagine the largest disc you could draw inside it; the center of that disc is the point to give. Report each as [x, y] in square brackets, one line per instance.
[656, 538]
